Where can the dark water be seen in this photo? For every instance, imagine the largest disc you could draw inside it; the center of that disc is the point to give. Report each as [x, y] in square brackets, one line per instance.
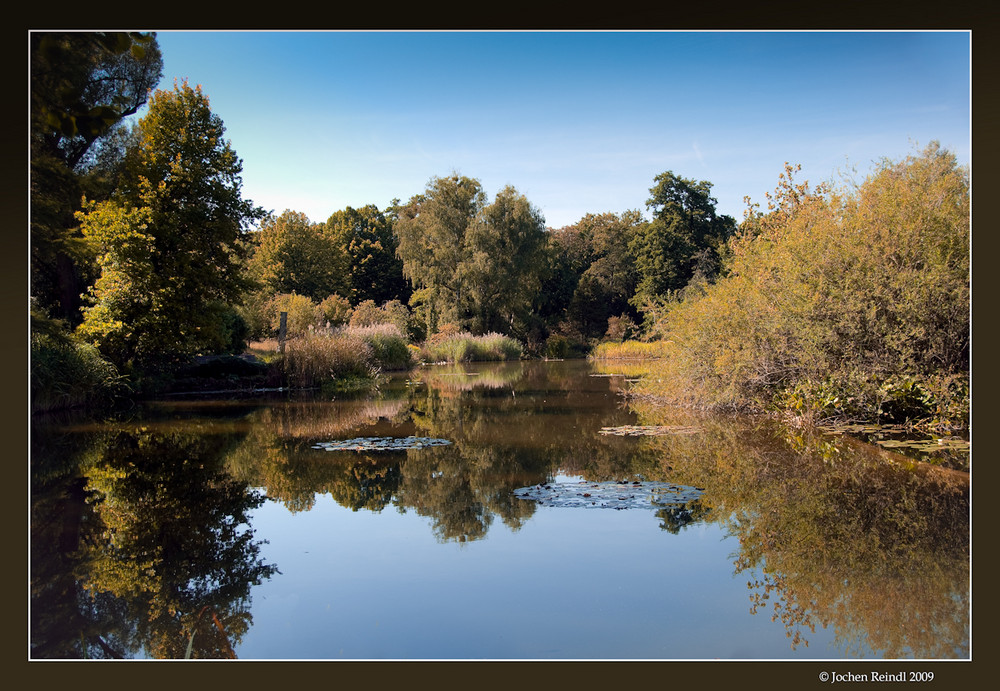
[223, 520]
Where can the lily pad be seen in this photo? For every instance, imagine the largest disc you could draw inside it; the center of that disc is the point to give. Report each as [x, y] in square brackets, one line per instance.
[648, 430]
[925, 445]
[380, 444]
[611, 495]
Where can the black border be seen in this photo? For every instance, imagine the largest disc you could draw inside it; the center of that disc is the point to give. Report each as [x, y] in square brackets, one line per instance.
[781, 16]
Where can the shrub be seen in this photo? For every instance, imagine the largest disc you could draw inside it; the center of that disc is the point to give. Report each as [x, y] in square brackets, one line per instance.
[258, 310]
[66, 373]
[335, 310]
[302, 313]
[856, 293]
[389, 349]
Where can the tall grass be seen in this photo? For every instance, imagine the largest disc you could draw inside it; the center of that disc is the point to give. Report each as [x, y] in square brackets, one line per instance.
[630, 350]
[321, 357]
[388, 345]
[464, 347]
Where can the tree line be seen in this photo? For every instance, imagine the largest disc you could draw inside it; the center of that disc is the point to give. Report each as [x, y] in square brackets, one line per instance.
[153, 253]
[144, 253]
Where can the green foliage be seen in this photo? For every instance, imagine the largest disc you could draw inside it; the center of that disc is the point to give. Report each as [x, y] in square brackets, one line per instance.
[170, 242]
[472, 264]
[388, 345]
[291, 254]
[590, 277]
[258, 312]
[82, 85]
[505, 262]
[335, 310]
[431, 229]
[683, 241]
[375, 271]
[831, 296]
[302, 314]
[66, 374]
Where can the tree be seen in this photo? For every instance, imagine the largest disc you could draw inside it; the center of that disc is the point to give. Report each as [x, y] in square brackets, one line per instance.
[375, 271]
[505, 246]
[683, 241]
[171, 241]
[292, 254]
[591, 275]
[83, 85]
[431, 229]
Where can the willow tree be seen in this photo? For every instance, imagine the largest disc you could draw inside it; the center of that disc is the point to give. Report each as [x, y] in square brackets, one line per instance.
[473, 264]
[431, 229]
[505, 245]
[171, 241]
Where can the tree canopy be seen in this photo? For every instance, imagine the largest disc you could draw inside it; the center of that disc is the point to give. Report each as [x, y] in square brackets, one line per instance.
[171, 240]
[83, 85]
[684, 239]
[473, 264]
[375, 272]
[292, 254]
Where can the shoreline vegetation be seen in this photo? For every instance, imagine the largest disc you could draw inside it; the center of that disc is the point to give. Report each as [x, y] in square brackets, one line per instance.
[847, 306]
[846, 302]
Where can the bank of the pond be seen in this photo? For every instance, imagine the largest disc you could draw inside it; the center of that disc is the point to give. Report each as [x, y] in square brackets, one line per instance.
[925, 418]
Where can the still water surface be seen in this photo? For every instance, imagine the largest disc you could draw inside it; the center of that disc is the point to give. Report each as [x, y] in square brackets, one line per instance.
[224, 519]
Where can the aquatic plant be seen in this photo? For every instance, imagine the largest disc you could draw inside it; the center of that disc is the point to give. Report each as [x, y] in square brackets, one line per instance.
[464, 347]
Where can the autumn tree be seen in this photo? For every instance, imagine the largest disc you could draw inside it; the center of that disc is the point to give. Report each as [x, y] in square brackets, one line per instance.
[171, 240]
[374, 271]
[293, 254]
[684, 240]
[83, 86]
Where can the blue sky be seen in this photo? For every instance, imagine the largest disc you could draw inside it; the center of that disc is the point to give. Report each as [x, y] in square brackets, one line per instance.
[578, 122]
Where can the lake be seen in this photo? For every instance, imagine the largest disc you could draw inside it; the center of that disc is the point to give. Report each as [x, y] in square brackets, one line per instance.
[487, 511]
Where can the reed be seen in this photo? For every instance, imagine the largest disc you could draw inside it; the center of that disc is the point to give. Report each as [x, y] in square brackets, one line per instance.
[464, 347]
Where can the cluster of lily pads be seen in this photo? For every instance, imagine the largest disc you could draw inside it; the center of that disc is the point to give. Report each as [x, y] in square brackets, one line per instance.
[380, 444]
[875, 434]
[611, 495]
[648, 430]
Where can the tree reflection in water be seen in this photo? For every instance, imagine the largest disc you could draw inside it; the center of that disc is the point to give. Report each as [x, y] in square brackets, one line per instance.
[139, 539]
[156, 560]
[835, 533]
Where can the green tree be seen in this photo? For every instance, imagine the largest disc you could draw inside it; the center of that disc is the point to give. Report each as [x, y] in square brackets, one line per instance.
[684, 241]
[171, 240]
[83, 84]
[475, 265]
[375, 270]
[292, 254]
[505, 246]
[609, 281]
[431, 229]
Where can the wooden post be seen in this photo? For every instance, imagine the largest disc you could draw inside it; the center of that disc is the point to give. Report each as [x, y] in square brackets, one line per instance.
[282, 332]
